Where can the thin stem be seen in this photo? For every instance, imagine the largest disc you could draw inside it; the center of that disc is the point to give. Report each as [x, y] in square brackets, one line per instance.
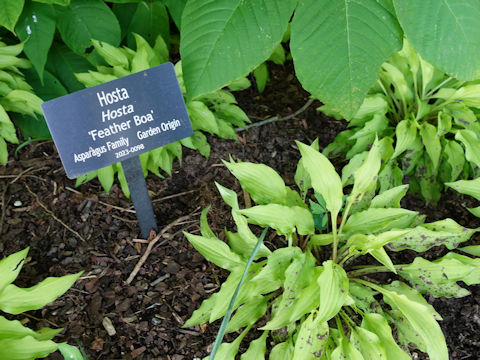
[335, 236]
[437, 87]
[339, 324]
[345, 215]
[347, 319]
[370, 270]
[369, 284]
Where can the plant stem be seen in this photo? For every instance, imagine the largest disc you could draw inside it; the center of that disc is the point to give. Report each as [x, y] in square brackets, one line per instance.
[335, 236]
[437, 87]
[370, 270]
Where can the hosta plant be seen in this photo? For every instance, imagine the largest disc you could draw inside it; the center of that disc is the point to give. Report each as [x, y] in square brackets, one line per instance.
[215, 113]
[15, 94]
[314, 292]
[16, 340]
[430, 117]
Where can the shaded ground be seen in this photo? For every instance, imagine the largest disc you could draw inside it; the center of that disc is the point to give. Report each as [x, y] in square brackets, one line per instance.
[72, 229]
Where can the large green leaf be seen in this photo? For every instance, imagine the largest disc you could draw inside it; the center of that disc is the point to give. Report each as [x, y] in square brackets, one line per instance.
[378, 325]
[11, 10]
[15, 300]
[446, 42]
[333, 290]
[338, 47]
[323, 176]
[149, 20]
[15, 329]
[438, 278]
[26, 348]
[311, 339]
[256, 349]
[262, 182]
[215, 251]
[222, 40]
[37, 26]
[377, 220]
[64, 63]
[421, 316]
[468, 187]
[84, 20]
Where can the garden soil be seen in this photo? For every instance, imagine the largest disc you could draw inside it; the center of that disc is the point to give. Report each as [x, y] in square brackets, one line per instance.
[70, 229]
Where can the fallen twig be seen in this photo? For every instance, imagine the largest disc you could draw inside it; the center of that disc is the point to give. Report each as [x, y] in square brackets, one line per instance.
[50, 212]
[173, 196]
[152, 243]
[276, 118]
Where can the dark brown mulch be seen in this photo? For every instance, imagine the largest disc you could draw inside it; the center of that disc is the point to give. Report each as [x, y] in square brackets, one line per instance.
[72, 229]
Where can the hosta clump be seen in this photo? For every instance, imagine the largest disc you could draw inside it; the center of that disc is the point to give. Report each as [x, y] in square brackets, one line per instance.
[431, 117]
[317, 297]
[15, 95]
[18, 341]
[215, 113]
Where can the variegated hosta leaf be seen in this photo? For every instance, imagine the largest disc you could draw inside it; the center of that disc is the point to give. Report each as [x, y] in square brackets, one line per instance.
[439, 277]
[284, 219]
[216, 251]
[421, 238]
[378, 325]
[420, 315]
[262, 182]
[468, 187]
[311, 339]
[378, 220]
[333, 284]
[325, 179]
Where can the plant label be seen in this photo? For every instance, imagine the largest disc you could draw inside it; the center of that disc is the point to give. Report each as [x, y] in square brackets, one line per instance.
[116, 122]
[111, 122]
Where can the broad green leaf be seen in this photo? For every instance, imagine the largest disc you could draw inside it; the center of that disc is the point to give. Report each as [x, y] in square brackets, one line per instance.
[474, 276]
[248, 313]
[272, 275]
[468, 187]
[202, 314]
[175, 8]
[425, 175]
[10, 267]
[390, 176]
[70, 352]
[78, 23]
[333, 284]
[15, 329]
[282, 351]
[216, 251]
[324, 178]
[302, 178]
[26, 348]
[112, 55]
[256, 349]
[472, 250]
[64, 63]
[376, 125]
[233, 113]
[421, 238]
[36, 25]
[214, 52]
[284, 219]
[364, 299]
[431, 141]
[382, 257]
[455, 158]
[11, 10]
[458, 32]
[244, 241]
[229, 196]
[354, 163]
[390, 198]
[405, 134]
[311, 339]
[15, 300]
[262, 182]
[422, 318]
[56, 2]
[367, 174]
[368, 343]
[346, 351]
[406, 334]
[149, 20]
[444, 124]
[202, 118]
[377, 220]
[378, 325]
[106, 176]
[50, 88]
[439, 277]
[337, 54]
